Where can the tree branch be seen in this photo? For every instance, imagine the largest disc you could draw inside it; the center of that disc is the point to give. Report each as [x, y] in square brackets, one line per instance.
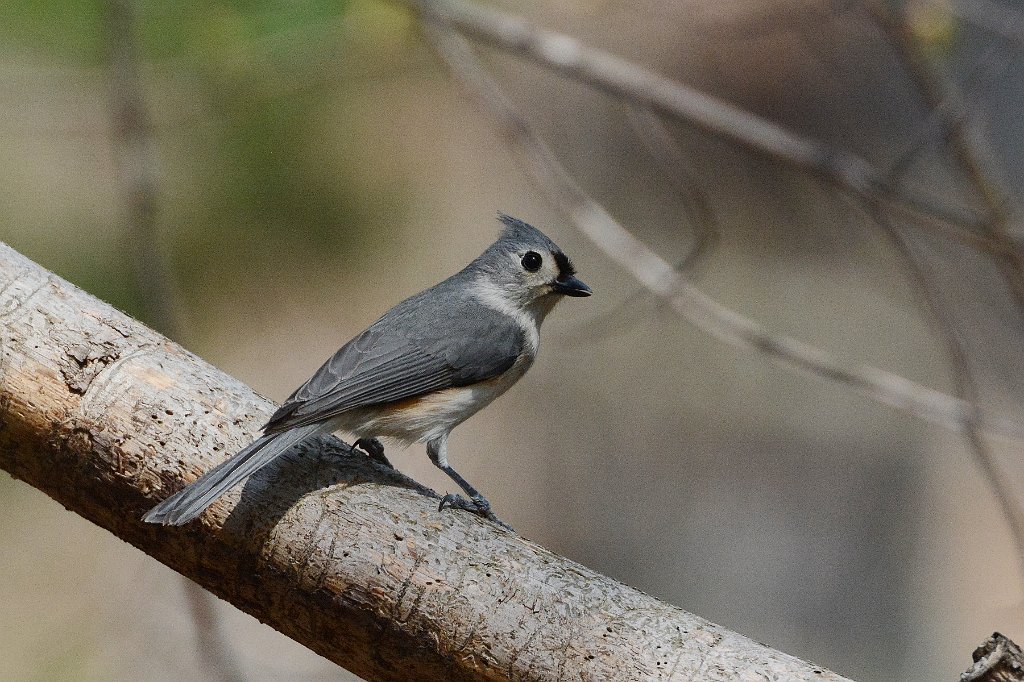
[672, 286]
[998, 659]
[108, 417]
[673, 163]
[641, 87]
[999, 18]
[966, 146]
[948, 107]
[963, 380]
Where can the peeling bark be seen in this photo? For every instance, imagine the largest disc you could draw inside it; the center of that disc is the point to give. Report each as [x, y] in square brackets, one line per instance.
[353, 561]
[998, 659]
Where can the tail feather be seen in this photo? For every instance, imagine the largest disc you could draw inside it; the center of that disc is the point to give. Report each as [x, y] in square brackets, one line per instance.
[190, 502]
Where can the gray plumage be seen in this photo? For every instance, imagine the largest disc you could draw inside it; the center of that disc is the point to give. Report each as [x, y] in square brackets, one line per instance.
[440, 338]
[425, 366]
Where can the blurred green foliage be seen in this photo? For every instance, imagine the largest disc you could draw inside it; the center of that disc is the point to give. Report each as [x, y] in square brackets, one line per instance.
[241, 95]
[934, 26]
[70, 30]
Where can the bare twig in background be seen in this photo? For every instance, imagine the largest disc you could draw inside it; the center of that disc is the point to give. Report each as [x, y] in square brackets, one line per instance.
[660, 278]
[642, 87]
[966, 144]
[137, 166]
[951, 113]
[663, 147]
[672, 161]
[960, 369]
[995, 17]
[665, 281]
[215, 652]
[948, 107]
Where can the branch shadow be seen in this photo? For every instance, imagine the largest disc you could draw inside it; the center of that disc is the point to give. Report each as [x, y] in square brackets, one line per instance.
[312, 465]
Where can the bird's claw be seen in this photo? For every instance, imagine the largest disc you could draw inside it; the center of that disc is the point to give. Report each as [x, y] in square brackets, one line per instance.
[374, 449]
[477, 505]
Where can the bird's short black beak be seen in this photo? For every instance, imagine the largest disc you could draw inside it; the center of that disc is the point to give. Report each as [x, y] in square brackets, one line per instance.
[570, 286]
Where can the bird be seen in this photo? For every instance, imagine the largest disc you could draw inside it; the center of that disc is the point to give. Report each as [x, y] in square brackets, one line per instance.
[427, 365]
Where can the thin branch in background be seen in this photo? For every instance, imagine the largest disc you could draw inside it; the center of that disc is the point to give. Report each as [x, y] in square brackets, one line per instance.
[966, 144]
[642, 87]
[137, 168]
[673, 163]
[960, 369]
[946, 116]
[660, 278]
[995, 17]
[948, 106]
[667, 153]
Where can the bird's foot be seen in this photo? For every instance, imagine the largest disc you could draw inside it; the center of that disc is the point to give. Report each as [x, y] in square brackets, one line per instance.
[374, 449]
[477, 505]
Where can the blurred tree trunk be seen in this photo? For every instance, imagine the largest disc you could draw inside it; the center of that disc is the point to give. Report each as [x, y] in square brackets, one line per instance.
[355, 562]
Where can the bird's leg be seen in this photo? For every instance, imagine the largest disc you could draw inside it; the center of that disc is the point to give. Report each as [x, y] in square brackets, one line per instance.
[374, 449]
[476, 503]
[437, 450]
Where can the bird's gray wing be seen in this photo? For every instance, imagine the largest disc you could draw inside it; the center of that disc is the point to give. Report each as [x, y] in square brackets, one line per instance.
[410, 351]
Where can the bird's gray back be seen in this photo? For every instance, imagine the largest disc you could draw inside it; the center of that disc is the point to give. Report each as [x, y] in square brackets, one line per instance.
[440, 338]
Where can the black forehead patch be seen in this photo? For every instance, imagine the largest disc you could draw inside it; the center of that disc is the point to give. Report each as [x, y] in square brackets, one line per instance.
[565, 266]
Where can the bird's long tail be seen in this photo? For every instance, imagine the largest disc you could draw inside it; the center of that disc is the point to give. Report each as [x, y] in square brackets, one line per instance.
[190, 502]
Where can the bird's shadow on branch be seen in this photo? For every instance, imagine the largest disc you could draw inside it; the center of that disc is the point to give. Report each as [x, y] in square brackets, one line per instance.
[313, 465]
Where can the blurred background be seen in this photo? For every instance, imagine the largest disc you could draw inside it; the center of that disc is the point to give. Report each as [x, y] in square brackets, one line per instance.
[263, 179]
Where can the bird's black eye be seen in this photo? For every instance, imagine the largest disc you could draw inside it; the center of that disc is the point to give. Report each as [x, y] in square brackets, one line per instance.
[532, 261]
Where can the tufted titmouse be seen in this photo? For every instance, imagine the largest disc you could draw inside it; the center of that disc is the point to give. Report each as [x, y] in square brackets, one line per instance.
[426, 366]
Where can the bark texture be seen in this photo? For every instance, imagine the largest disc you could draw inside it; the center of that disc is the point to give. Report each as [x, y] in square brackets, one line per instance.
[353, 561]
[998, 659]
